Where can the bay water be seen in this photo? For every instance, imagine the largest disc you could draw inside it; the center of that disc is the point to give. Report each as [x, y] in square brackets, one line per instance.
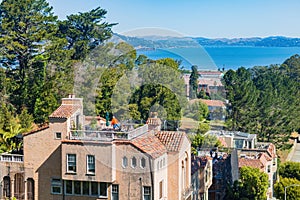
[229, 57]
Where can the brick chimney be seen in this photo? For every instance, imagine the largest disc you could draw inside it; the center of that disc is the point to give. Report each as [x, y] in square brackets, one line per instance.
[154, 123]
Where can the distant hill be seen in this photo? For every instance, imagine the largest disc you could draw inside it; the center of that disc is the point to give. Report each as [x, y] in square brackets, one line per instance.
[187, 42]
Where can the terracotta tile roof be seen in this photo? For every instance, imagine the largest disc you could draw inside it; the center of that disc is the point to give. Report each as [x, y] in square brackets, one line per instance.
[171, 139]
[264, 158]
[65, 111]
[255, 163]
[150, 144]
[210, 72]
[210, 82]
[37, 129]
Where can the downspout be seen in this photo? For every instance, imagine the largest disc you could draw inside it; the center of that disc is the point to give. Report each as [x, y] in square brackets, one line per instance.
[63, 188]
[152, 179]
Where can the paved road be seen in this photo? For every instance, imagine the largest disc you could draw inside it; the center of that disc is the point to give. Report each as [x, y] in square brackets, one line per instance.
[296, 156]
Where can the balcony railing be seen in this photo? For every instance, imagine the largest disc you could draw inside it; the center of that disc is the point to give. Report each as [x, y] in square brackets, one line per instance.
[187, 192]
[107, 135]
[11, 158]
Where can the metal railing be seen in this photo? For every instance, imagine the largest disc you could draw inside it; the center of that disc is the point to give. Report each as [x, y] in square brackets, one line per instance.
[107, 135]
[11, 157]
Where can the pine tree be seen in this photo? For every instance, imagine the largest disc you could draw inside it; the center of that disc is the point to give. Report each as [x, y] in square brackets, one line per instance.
[26, 26]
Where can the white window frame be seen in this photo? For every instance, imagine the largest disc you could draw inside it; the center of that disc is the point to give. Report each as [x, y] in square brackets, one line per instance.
[65, 185]
[69, 162]
[124, 165]
[144, 187]
[88, 162]
[141, 162]
[55, 135]
[133, 165]
[56, 182]
[113, 186]
[101, 196]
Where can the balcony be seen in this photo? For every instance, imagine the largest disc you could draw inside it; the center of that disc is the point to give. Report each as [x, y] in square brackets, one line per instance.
[187, 193]
[11, 158]
[127, 132]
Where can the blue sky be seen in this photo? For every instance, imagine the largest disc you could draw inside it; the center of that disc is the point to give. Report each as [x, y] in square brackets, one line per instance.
[204, 18]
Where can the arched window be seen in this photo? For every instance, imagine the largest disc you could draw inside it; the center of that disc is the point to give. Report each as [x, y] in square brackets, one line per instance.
[133, 162]
[143, 162]
[19, 186]
[30, 189]
[124, 162]
[6, 186]
[160, 163]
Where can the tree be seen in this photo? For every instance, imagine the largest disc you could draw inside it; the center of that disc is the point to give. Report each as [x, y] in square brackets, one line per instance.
[26, 27]
[85, 31]
[292, 192]
[160, 84]
[252, 185]
[8, 137]
[197, 110]
[193, 82]
[290, 170]
[265, 101]
[203, 141]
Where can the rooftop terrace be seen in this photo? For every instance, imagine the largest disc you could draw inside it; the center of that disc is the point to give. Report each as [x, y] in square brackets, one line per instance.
[127, 132]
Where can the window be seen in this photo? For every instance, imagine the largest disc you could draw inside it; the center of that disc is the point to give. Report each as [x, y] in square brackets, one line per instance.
[30, 189]
[85, 188]
[143, 162]
[71, 163]
[58, 135]
[94, 188]
[56, 186]
[161, 189]
[133, 162]
[69, 187]
[124, 162]
[269, 168]
[77, 187]
[147, 192]
[115, 192]
[6, 186]
[90, 164]
[103, 189]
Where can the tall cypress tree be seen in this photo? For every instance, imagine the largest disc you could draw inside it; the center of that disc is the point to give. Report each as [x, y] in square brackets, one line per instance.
[193, 82]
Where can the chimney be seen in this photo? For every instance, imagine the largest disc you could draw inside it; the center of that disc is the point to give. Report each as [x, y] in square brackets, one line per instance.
[71, 100]
[154, 123]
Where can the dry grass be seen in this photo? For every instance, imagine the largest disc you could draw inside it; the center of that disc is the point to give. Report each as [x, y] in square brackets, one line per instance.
[188, 124]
